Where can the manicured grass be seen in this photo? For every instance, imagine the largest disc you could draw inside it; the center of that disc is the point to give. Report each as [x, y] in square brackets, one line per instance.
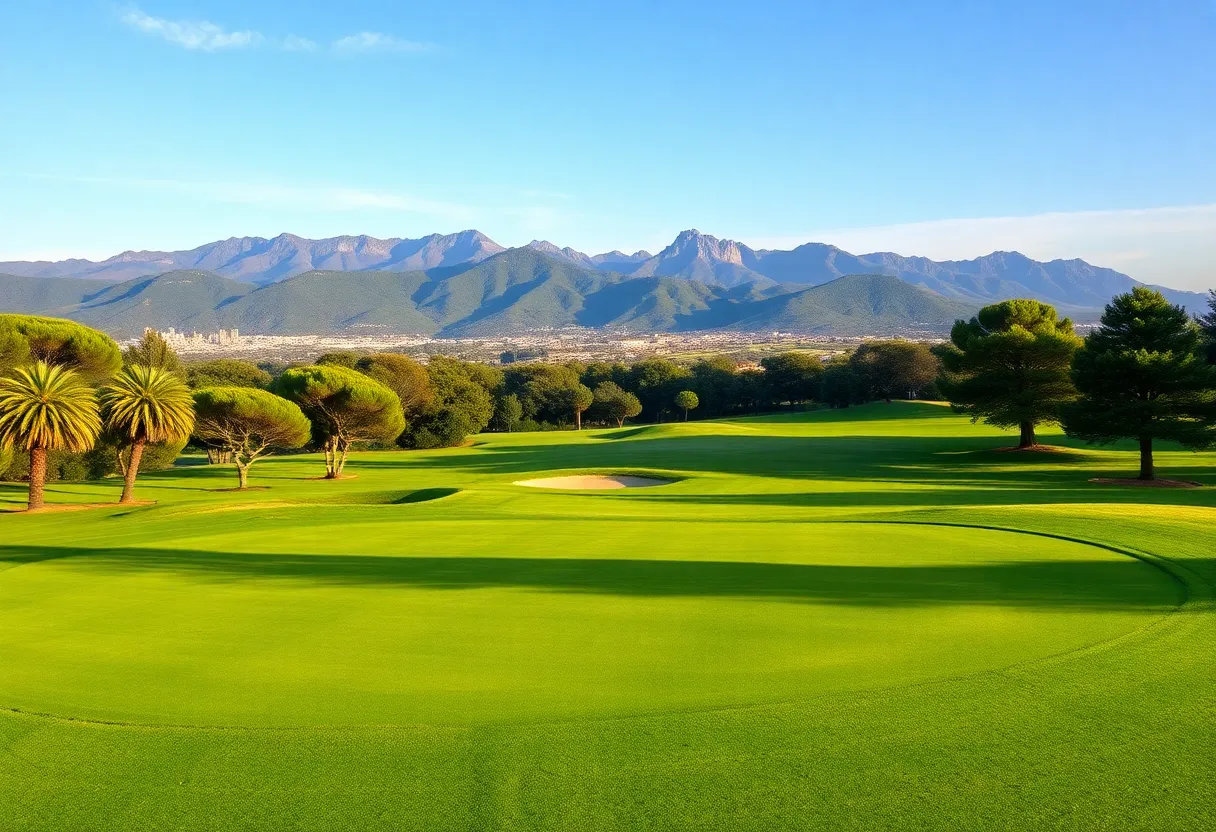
[862, 619]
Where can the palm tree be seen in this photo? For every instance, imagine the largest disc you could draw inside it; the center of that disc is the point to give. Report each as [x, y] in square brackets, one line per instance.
[46, 408]
[146, 404]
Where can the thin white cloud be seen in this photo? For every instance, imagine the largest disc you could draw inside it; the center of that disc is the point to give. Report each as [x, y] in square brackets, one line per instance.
[310, 198]
[191, 34]
[363, 43]
[205, 36]
[1173, 246]
[321, 198]
[295, 43]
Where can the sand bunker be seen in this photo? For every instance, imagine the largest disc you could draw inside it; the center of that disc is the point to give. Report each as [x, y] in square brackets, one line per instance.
[595, 482]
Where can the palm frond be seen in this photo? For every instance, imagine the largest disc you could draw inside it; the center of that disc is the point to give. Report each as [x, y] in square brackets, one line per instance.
[148, 403]
[44, 406]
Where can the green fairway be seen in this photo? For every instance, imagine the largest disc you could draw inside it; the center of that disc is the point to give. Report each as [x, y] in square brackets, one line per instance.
[864, 619]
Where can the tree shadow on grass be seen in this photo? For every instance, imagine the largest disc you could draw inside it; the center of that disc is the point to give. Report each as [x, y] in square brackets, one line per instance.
[625, 433]
[389, 498]
[908, 470]
[14, 491]
[1056, 584]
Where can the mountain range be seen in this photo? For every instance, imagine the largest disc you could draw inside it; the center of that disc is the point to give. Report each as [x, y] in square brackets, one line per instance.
[259, 260]
[465, 284]
[1069, 284]
[517, 291]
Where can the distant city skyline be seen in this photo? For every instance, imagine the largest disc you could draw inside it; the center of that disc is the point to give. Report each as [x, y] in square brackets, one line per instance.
[938, 129]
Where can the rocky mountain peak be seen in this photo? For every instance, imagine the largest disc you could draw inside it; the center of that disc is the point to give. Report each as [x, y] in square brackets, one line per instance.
[706, 246]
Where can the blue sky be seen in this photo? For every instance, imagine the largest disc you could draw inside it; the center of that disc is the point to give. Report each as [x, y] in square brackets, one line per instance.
[944, 129]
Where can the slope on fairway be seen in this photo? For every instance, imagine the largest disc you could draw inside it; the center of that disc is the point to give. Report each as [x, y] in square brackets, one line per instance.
[589, 620]
[853, 620]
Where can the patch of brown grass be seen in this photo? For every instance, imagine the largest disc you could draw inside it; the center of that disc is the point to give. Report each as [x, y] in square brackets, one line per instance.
[84, 506]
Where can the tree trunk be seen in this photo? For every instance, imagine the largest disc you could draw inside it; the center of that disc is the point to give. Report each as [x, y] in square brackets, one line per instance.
[37, 477]
[1146, 458]
[341, 449]
[686, 414]
[578, 420]
[242, 475]
[331, 459]
[620, 423]
[128, 480]
[1028, 439]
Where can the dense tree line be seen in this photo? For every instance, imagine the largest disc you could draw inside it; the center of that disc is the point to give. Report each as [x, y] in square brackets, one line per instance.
[77, 407]
[239, 411]
[658, 389]
[1145, 374]
[441, 403]
[73, 406]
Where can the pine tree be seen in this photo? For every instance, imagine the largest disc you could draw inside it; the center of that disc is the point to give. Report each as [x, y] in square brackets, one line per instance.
[153, 351]
[1208, 325]
[1143, 375]
[1010, 366]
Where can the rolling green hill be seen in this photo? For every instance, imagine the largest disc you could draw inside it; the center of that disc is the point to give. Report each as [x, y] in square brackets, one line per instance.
[657, 304]
[859, 304]
[846, 620]
[39, 294]
[515, 291]
[325, 302]
[519, 290]
[185, 299]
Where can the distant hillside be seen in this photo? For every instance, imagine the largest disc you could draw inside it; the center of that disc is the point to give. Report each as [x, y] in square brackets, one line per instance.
[324, 302]
[188, 299]
[33, 294]
[1073, 285]
[857, 305]
[517, 291]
